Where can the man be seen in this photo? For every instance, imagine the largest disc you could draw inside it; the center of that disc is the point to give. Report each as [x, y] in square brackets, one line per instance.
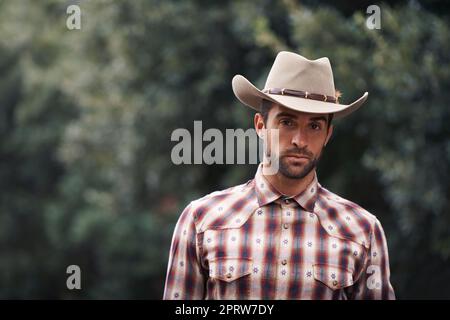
[282, 235]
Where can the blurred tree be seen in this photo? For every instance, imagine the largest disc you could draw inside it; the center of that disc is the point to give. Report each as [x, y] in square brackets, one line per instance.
[34, 113]
[87, 115]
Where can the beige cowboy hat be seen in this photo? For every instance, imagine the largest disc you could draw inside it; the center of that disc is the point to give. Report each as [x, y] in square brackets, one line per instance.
[298, 84]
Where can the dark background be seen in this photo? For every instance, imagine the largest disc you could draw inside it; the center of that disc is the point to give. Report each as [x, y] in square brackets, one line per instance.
[86, 117]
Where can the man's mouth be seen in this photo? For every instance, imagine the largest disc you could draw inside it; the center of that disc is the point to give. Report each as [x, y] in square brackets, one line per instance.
[297, 156]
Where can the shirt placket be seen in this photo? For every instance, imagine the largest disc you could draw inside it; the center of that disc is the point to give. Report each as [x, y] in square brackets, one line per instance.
[284, 248]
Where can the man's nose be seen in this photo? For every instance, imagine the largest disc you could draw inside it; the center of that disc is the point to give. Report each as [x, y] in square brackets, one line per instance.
[299, 139]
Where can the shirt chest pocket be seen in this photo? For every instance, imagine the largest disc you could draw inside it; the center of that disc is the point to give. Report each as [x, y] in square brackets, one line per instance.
[229, 269]
[334, 277]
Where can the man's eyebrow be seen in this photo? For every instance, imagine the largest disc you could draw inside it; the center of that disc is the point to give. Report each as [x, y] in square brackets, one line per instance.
[285, 114]
[318, 118]
[291, 115]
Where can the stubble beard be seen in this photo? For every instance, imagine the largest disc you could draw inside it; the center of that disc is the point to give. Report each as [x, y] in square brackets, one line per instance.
[297, 171]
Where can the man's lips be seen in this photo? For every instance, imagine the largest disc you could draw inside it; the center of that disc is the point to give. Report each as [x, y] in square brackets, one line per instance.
[296, 156]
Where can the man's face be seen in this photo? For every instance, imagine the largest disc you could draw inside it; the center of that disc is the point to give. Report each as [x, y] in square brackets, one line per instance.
[302, 137]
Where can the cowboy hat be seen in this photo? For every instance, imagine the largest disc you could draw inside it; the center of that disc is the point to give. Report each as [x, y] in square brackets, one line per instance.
[298, 84]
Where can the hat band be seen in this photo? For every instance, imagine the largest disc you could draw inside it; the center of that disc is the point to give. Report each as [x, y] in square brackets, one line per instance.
[301, 94]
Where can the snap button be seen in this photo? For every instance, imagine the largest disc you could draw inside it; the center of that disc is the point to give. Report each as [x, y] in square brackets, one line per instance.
[284, 262]
[229, 275]
[335, 283]
[287, 201]
[285, 226]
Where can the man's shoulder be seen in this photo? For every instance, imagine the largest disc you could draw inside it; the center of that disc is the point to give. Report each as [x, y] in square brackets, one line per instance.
[345, 207]
[234, 192]
[223, 208]
[346, 218]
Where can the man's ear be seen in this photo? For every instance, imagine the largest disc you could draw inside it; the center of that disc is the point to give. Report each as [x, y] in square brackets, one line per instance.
[330, 132]
[259, 123]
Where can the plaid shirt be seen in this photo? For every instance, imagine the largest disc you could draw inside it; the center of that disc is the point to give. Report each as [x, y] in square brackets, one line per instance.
[250, 242]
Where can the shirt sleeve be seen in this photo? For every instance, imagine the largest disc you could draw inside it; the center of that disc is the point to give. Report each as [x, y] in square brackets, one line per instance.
[185, 279]
[374, 282]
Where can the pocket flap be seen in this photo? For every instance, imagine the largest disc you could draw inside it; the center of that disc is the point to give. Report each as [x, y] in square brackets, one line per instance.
[229, 269]
[334, 277]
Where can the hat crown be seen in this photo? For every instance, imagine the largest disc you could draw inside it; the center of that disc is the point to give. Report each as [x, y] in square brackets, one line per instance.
[295, 72]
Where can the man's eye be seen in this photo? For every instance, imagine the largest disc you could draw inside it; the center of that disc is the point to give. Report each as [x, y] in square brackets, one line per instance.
[286, 122]
[315, 126]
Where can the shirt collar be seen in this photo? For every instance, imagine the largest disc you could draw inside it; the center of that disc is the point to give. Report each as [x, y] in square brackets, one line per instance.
[266, 193]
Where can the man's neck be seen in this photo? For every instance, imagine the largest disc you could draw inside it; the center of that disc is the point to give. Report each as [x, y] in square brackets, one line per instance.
[288, 186]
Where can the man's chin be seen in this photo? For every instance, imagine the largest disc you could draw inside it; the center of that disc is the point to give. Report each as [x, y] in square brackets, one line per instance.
[293, 175]
[295, 170]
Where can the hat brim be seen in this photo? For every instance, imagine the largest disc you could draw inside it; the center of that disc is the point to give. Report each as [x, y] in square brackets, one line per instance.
[251, 96]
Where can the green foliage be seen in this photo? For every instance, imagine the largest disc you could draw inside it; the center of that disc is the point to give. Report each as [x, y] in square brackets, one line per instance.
[86, 118]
